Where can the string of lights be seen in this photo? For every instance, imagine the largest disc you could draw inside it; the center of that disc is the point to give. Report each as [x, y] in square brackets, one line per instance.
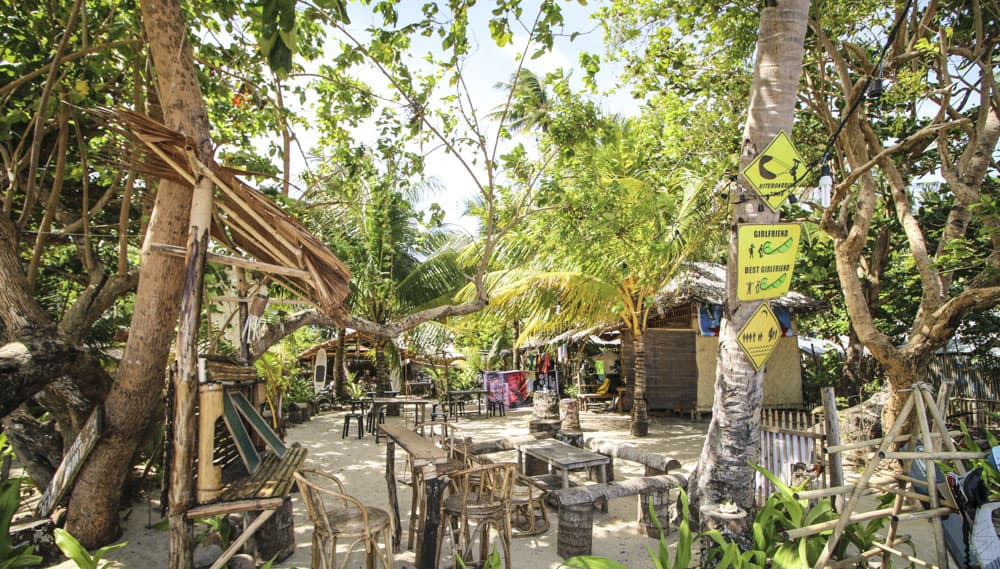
[871, 89]
[868, 90]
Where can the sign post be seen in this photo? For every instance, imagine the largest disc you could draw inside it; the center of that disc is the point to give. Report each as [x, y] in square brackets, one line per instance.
[774, 172]
[766, 259]
[760, 335]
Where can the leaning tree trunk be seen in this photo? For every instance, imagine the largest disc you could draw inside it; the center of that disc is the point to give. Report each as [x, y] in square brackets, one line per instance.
[640, 411]
[137, 396]
[723, 471]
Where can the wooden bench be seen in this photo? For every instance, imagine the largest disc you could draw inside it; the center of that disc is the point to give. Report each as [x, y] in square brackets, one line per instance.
[576, 508]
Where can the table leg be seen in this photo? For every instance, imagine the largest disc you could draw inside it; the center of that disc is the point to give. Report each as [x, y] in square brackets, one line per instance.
[602, 475]
[390, 481]
[426, 554]
[565, 476]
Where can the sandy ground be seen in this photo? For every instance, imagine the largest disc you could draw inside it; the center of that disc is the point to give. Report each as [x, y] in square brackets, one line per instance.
[361, 465]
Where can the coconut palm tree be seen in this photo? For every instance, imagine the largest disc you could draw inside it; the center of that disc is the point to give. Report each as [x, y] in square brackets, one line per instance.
[530, 105]
[398, 265]
[617, 230]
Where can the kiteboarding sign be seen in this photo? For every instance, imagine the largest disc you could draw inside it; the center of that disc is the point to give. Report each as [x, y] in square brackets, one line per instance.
[775, 171]
[766, 259]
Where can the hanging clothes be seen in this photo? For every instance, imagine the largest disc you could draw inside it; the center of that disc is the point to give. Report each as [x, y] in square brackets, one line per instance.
[544, 363]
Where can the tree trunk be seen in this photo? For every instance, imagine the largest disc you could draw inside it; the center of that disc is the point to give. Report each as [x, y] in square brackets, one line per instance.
[340, 366]
[517, 352]
[381, 367]
[733, 441]
[137, 396]
[640, 412]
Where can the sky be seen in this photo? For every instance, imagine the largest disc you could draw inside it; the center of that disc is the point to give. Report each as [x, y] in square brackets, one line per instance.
[487, 65]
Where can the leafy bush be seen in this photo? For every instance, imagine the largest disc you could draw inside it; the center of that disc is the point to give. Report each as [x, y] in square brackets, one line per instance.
[72, 549]
[11, 556]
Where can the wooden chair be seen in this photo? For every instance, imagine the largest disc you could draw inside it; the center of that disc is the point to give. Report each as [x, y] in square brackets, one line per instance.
[527, 503]
[447, 436]
[477, 506]
[337, 515]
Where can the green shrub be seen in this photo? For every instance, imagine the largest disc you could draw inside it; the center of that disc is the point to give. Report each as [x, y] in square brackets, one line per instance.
[72, 549]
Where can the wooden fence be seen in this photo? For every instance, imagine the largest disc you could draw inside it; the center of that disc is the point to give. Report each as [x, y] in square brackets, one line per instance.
[791, 447]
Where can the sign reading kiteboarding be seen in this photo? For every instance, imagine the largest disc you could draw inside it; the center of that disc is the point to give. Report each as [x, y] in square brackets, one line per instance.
[774, 172]
[760, 335]
[766, 259]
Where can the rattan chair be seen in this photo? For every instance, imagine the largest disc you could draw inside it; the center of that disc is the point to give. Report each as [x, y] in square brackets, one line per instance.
[476, 513]
[338, 516]
[527, 505]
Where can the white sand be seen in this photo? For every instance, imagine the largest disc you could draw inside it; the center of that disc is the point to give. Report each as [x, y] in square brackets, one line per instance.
[361, 465]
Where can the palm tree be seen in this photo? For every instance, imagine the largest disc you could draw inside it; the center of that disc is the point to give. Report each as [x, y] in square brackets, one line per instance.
[621, 230]
[530, 105]
[398, 266]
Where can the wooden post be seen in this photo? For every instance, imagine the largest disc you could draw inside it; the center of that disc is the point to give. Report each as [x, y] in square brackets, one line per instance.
[434, 487]
[209, 411]
[390, 483]
[181, 493]
[835, 461]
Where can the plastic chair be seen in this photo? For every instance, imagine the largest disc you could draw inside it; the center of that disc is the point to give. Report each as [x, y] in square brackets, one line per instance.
[338, 516]
[357, 413]
[477, 512]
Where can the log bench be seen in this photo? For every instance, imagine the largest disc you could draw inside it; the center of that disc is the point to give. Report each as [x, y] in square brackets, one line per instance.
[576, 508]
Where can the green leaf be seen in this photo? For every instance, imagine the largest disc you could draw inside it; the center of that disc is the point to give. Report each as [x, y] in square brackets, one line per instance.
[787, 557]
[72, 549]
[290, 38]
[592, 562]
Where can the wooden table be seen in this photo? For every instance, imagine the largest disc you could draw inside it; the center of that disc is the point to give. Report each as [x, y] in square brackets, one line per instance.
[454, 396]
[424, 455]
[563, 458]
[419, 405]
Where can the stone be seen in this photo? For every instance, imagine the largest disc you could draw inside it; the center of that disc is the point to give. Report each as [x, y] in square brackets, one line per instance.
[207, 551]
[242, 561]
[276, 538]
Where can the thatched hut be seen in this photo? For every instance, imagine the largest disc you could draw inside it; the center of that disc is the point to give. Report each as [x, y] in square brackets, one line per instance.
[682, 344]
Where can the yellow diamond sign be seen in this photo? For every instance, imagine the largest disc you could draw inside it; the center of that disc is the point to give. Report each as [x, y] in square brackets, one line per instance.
[774, 172]
[760, 335]
[766, 259]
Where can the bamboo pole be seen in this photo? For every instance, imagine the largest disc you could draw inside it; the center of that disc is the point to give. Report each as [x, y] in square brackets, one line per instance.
[235, 261]
[209, 411]
[931, 469]
[876, 442]
[931, 514]
[814, 529]
[186, 379]
[853, 561]
[946, 436]
[829, 492]
[838, 531]
[938, 455]
[904, 556]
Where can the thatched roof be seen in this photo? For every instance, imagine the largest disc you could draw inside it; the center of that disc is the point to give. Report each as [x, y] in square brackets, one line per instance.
[706, 283]
[245, 221]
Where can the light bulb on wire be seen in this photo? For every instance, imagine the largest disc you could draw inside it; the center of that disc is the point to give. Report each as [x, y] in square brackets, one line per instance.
[825, 185]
